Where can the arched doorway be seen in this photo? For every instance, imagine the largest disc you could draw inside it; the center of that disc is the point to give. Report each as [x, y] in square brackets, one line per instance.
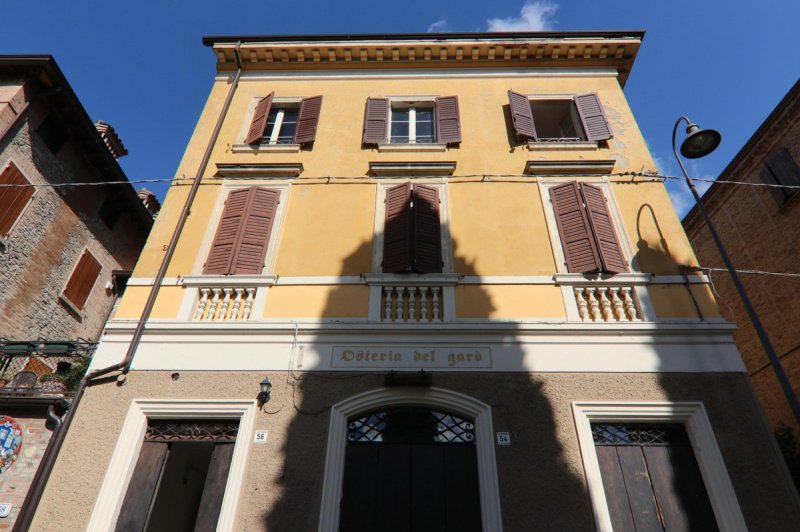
[410, 468]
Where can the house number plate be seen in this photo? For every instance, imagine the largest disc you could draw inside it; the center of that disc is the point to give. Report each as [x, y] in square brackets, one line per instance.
[261, 436]
[503, 438]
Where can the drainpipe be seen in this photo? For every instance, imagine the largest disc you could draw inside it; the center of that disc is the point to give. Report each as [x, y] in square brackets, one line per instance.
[25, 517]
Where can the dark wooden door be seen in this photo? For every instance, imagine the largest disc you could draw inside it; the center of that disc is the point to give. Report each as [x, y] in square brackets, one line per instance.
[651, 478]
[410, 469]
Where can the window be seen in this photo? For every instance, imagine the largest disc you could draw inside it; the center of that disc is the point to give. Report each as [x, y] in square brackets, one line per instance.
[410, 468]
[110, 212]
[240, 244]
[781, 169]
[52, 132]
[180, 476]
[586, 229]
[651, 477]
[576, 119]
[276, 122]
[412, 239]
[655, 466]
[12, 199]
[412, 121]
[82, 280]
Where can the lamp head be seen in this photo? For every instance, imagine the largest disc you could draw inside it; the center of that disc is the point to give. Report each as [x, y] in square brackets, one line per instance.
[699, 142]
[266, 388]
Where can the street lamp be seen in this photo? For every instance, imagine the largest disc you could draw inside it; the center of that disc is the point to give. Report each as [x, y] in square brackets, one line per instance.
[699, 143]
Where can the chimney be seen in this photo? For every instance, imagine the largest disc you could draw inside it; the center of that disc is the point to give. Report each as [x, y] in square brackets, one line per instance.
[150, 201]
[111, 139]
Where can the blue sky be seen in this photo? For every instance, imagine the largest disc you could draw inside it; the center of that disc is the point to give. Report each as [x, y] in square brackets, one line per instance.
[141, 67]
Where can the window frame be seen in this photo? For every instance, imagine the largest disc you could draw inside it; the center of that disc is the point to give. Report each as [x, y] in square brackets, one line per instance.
[421, 100]
[280, 108]
[62, 294]
[701, 435]
[129, 443]
[412, 106]
[241, 147]
[545, 184]
[216, 215]
[455, 402]
[5, 238]
[574, 115]
[380, 218]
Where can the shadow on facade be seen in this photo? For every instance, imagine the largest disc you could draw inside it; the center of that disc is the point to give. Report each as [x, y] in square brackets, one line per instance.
[537, 489]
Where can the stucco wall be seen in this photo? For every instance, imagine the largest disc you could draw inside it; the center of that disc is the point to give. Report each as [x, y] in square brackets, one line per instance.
[541, 478]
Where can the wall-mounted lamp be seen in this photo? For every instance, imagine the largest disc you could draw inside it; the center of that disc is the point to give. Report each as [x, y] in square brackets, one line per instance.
[266, 388]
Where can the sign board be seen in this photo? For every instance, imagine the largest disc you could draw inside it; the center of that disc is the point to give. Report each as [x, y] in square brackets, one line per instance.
[416, 357]
[10, 441]
[503, 438]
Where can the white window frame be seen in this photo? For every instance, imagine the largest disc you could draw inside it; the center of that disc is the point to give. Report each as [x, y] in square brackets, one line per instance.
[433, 397]
[226, 188]
[701, 435]
[546, 183]
[380, 219]
[412, 107]
[265, 147]
[280, 107]
[411, 102]
[126, 453]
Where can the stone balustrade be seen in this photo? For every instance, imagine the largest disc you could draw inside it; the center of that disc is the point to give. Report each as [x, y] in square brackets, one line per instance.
[603, 298]
[224, 304]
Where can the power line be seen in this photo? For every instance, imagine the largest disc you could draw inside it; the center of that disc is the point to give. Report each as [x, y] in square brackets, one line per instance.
[750, 272]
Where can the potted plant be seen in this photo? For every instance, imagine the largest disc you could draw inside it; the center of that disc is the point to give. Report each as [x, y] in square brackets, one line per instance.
[52, 383]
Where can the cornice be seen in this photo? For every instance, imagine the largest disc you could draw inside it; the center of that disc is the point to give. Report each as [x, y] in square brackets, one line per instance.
[615, 50]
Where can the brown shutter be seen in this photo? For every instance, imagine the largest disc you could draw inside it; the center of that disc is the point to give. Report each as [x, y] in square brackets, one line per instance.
[12, 199]
[255, 228]
[522, 115]
[427, 230]
[376, 121]
[222, 249]
[82, 280]
[603, 229]
[769, 178]
[780, 168]
[577, 241]
[448, 124]
[307, 120]
[259, 120]
[214, 488]
[397, 230]
[142, 487]
[593, 117]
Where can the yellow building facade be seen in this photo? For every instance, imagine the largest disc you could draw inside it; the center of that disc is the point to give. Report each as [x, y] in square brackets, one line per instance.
[461, 235]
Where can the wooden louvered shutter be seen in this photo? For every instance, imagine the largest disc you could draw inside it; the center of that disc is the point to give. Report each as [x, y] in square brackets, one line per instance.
[577, 241]
[397, 230]
[254, 232]
[376, 121]
[12, 199]
[82, 280]
[603, 229]
[781, 169]
[223, 248]
[427, 230]
[259, 122]
[522, 115]
[593, 117]
[307, 120]
[448, 123]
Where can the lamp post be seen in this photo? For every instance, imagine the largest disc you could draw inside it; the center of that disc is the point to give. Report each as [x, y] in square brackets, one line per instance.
[699, 143]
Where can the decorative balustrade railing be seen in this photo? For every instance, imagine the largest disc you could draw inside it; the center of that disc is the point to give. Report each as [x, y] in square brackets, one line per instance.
[605, 298]
[224, 304]
[426, 298]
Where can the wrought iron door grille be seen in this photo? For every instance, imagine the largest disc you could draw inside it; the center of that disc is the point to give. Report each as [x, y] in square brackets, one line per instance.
[639, 434]
[220, 430]
[410, 425]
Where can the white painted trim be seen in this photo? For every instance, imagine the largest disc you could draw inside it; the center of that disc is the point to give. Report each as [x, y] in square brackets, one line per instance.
[411, 147]
[467, 279]
[434, 397]
[455, 73]
[444, 219]
[265, 148]
[123, 461]
[701, 434]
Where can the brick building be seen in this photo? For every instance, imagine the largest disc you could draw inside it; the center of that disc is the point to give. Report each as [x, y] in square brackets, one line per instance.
[65, 253]
[760, 227]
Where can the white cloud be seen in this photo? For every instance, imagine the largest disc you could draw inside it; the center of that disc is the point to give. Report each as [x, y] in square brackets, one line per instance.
[534, 16]
[439, 25]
